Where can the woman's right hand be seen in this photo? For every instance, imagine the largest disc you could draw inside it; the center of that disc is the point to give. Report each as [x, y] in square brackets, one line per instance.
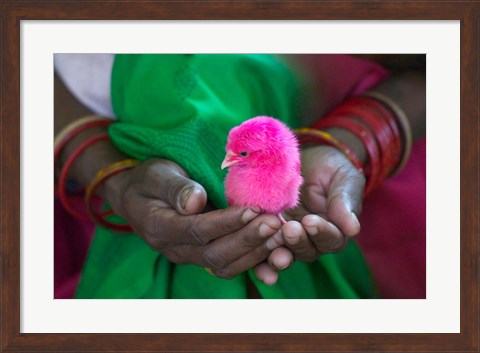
[164, 207]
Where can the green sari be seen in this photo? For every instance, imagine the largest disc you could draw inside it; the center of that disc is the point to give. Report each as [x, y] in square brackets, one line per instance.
[181, 107]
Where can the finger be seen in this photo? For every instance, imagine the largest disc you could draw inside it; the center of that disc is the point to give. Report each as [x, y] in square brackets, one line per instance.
[256, 256]
[245, 262]
[313, 197]
[243, 249]
[168, 182]
[326, 237]
[297, 241]
[280, 258]
[222, 264]
[296, 213]
[165, 224]
[266, 274]
[344, 202]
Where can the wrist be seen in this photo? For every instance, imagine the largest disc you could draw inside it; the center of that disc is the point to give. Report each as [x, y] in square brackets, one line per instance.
[93, 159]
[99, 181]
[350, 140]
[114, 188]
[309, 136]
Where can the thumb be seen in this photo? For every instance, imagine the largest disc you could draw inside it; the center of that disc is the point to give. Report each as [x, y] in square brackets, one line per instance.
[345, 203]
[168, 182]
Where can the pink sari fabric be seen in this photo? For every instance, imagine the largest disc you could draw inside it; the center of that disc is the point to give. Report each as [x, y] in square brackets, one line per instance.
[71, 240]
[393, 236]
[393, 219]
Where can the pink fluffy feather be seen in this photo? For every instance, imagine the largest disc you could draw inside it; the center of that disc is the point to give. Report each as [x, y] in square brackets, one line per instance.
[263, 158]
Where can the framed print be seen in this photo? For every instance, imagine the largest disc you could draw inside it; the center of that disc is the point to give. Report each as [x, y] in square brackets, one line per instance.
[445, 317]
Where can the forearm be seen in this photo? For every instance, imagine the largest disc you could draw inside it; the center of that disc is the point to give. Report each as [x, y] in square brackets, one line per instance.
[99, 155]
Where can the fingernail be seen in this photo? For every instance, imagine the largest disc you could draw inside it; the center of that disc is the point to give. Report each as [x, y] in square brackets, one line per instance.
[185, 195]
[355, 220]
[265, 230]
[248, 215]
[270, 280]
[283, 267]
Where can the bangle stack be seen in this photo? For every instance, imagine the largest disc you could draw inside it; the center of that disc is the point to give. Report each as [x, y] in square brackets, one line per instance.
[62, 192]
[402, 123]
[379, 123]
[75, 128]
[61, 140]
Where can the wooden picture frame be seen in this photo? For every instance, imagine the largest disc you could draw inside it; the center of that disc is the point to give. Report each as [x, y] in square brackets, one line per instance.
[13, 12]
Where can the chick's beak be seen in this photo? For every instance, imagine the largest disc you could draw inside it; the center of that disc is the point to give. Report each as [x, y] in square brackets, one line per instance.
[230, 159]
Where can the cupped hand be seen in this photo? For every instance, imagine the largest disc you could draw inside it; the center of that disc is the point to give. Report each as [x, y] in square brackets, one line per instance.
[164, 207]
[331, 199]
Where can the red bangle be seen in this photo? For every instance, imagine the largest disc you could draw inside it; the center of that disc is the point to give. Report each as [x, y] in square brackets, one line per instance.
[372, 117]
[69, 132]
[385, 113]
[394, 144]
[363, 134]
[99, 179]
[401, 123]
[66, 168]
[383, 137]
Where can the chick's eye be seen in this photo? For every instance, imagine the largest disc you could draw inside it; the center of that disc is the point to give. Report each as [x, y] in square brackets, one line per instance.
[244, 154]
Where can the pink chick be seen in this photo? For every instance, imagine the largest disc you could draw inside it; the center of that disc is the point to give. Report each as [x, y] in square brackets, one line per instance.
[263, 158]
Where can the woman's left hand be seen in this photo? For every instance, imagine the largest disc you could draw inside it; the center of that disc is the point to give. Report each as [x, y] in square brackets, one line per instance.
[331, 199]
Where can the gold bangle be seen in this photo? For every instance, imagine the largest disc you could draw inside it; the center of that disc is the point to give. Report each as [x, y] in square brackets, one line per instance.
[123, 164]
[99, 178]
[404, 125]
[327, 138]
[60, 137]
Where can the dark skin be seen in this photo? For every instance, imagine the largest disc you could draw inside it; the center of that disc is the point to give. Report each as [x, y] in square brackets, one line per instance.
[158, 198]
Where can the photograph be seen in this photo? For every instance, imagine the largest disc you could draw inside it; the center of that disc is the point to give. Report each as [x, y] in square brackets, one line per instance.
[158, 157]
[239, 176]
